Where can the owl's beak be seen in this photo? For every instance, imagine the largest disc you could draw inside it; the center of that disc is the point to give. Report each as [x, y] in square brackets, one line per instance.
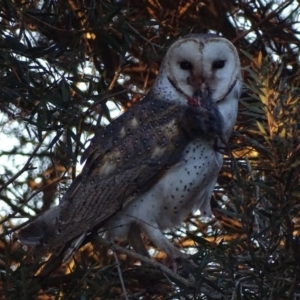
[202, 89]
[199, 83]
[201, 92]
[200, 80]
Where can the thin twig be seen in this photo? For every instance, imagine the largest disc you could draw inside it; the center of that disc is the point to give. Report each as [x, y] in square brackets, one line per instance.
[142, 37]
[26, 166]
[101, 100]
[253, 143]
[7, 218]
[271, 15]
[255, 225]
[116, 77]
[144, 259]
[121, 276]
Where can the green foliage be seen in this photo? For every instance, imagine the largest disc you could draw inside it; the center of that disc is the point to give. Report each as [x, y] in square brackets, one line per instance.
[63, 64]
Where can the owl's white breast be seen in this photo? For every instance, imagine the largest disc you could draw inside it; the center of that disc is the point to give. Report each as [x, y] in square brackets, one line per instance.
[185, 187]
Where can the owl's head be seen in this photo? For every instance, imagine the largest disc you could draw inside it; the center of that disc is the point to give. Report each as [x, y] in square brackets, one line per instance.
[197, 60]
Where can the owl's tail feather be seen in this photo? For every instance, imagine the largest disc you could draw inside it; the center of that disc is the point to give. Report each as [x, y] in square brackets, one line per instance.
[40, 229]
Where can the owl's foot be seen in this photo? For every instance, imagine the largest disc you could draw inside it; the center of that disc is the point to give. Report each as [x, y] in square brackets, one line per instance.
[181, 264]
[222, 148]
[176, 260]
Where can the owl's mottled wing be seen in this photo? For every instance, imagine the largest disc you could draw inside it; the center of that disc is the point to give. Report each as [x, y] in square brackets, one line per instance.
[124, 160]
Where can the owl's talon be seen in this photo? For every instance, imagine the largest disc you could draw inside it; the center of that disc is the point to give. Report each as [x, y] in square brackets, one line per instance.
[182, 265]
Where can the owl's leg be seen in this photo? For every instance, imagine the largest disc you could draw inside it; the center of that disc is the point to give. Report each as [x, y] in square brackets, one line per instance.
[135, 240]
[224, 148]
[175, 256]
[74, 246]
[159, 240]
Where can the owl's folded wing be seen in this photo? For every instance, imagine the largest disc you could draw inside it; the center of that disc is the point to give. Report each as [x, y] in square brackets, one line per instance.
[124, 160]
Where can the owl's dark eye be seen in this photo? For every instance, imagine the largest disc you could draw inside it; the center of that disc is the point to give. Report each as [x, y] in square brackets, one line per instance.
[218, 64]
[186, 65]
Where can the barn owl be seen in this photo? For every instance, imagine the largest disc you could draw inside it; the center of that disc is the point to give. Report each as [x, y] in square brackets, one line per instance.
[158, 161]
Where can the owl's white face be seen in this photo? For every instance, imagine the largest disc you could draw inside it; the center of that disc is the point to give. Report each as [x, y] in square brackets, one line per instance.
[196, 60]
